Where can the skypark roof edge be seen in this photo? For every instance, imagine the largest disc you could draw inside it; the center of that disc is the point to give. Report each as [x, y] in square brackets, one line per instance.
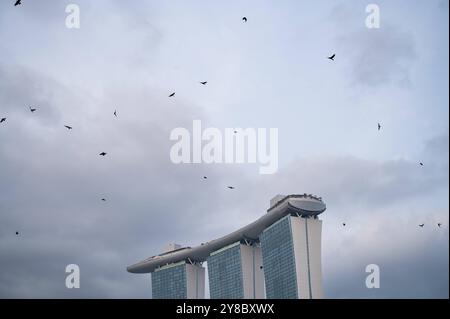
[303, 205]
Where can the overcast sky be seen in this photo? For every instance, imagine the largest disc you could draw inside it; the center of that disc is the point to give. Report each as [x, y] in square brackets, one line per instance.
[269, 72]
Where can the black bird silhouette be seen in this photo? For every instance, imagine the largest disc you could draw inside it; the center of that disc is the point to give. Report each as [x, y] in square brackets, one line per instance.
[439, 224]
[32, 110]
[379, 126]
[332, 57]
[230, 187]
[244, 19]
[68, 127]
[17, 233]
[421, 225]
[3, 119]
[115, 113]
[343, 224]
[205, 177]
[18, 2]
[421, 164]
[172, 94]
[102, 154]
[104, 199]
[204, 82]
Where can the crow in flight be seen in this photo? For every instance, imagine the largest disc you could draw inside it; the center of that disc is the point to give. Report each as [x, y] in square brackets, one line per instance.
[3, 119]
[115, 113]
[439, 224]
[421, 225]
[104, 199]
[172, 94]
[421, 164]
[204, 82]
[17, 233]
[379, 126]
[18, 2]
[230, 187]
[343, 224]
[244, 19]
[205, 177]
[68, 127]
[102, 154]
[32, 110]
[332, 57]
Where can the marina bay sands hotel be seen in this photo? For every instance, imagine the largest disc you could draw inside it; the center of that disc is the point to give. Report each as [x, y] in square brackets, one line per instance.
[278, 256]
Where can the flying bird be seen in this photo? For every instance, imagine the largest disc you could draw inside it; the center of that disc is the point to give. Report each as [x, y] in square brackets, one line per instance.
[244, 19]
[230, 187]
[332, 57]
[17, 233]
[379, 126]
[421, 164]
[204, 82]
[68, 127]
[172, 94]
[115, 113]
[18, 2]
[3, 119]
[102, 154]
[421, 225]
[439, 224]
[343, 224]
[32, 110]
[104, 199]
[205, 177]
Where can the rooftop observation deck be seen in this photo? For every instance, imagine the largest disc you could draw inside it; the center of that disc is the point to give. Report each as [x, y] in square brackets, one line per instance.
[305, 205]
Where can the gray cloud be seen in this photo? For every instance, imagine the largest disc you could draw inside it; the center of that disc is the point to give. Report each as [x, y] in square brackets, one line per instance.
[373, 57]
[382, 204]
[45, 94]
[52, 180]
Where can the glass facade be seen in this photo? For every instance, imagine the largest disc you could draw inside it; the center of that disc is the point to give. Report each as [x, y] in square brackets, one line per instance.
[169, 282]
[279, 260]
[225, 273]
